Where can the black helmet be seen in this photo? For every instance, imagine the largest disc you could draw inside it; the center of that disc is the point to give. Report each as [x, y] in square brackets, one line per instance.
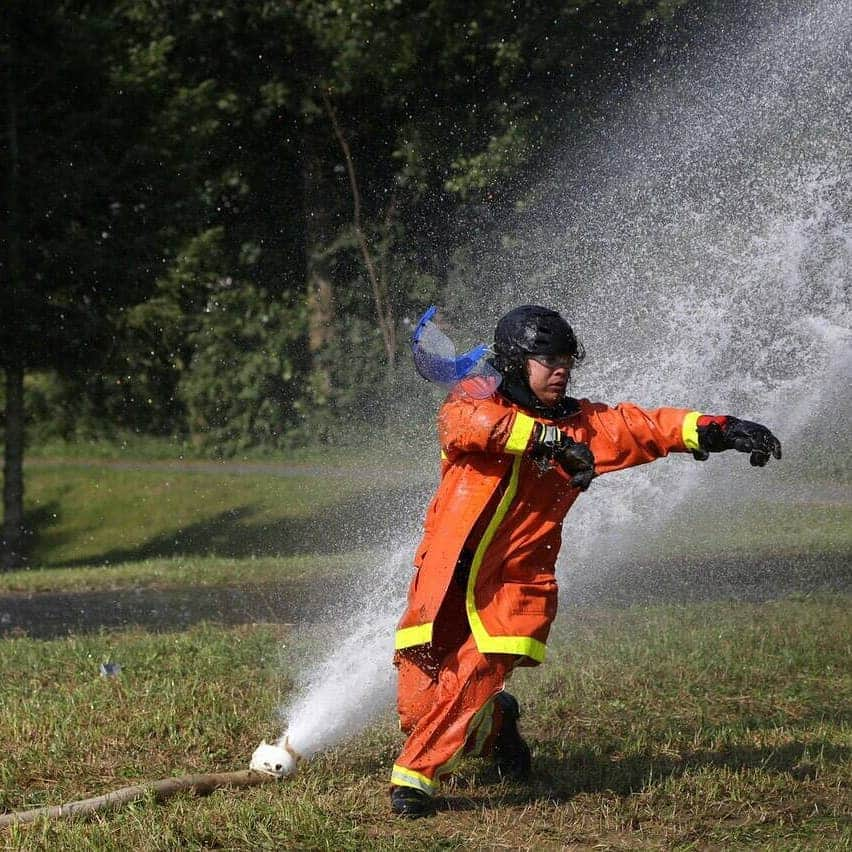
[532, 330]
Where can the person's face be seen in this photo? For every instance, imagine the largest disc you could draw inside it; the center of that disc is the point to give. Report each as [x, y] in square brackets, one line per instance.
[548, 377]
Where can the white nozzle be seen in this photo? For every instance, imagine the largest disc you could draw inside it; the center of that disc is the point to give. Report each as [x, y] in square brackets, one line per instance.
[279, 759]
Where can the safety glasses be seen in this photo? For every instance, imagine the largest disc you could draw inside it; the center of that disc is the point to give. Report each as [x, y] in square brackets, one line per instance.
[554, 362]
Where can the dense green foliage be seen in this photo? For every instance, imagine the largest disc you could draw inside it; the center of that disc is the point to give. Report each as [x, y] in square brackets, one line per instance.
[221, 215]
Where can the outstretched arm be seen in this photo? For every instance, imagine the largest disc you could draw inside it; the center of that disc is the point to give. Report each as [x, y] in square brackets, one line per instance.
[626, 435]
[716, 433]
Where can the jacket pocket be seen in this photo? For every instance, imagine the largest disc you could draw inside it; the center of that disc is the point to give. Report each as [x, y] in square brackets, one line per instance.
[534, 599]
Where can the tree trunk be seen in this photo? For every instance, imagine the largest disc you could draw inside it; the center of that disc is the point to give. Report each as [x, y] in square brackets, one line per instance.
[11, 545]
[11, 553]
[320, 304]
[381, 298]
[320, 288]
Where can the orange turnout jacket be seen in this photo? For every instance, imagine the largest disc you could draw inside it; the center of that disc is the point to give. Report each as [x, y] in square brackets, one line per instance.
[496, 503]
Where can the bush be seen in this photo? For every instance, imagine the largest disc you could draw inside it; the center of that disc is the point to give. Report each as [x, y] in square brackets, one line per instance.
[246, 376]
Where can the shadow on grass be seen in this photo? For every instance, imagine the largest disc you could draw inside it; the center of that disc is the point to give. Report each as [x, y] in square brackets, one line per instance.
[38, 521]
[52, 614]
[589, 772]
[359, 521]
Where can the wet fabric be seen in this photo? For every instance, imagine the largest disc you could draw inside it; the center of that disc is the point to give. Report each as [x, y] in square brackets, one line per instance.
[446, 700]
[495, 501]
[484, 592]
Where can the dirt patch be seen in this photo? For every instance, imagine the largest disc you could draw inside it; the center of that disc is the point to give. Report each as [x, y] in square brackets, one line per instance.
[50, 615]
[47, 615]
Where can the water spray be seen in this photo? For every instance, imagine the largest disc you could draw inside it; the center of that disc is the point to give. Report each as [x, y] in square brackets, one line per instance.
[353, 685]
[709, 223]
[701, 247]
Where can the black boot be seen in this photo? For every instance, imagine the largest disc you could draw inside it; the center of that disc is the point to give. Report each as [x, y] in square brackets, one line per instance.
[512, 755]
[411, 803]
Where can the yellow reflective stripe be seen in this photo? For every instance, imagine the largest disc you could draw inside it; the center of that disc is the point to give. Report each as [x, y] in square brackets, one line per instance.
[519, 437]
[402, 777]
[476, 625]
[523, 646]
[407, 637]
[487, 644]
[448, 768]
[690, 430]
[443, 455]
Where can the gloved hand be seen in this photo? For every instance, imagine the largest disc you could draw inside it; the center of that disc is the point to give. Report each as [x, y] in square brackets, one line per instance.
[552, 446]
[716, 434]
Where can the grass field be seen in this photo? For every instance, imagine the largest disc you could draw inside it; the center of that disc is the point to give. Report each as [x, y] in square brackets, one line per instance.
[711, 725]
[125, 511]
[699, 727]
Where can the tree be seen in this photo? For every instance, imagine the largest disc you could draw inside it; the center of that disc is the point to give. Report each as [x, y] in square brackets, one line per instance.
[340, 151]
[231, 139]
[74, 227]
[440, 113]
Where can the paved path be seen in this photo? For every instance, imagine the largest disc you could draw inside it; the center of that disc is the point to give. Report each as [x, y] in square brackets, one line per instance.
[47, 615]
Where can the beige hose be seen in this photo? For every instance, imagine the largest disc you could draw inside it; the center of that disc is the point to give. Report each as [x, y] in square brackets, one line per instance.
[163, 789]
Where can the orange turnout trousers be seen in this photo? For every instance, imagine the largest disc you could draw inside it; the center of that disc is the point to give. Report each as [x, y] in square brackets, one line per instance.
[445, 700]
[484, 591]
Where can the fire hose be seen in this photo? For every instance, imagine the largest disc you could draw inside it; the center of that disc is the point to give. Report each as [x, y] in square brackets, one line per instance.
[163, 789]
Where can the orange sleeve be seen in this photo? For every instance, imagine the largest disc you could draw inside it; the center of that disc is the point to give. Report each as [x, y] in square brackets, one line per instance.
[627, 435]
[469, 425]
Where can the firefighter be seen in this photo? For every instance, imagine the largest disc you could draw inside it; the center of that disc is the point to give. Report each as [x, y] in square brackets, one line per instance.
[484, 591]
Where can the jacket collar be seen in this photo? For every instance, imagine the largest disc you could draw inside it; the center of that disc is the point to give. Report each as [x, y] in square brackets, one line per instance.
[516, 390]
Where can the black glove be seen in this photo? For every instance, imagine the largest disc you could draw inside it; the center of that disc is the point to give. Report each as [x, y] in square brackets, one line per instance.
[552, 445]
[716, 434]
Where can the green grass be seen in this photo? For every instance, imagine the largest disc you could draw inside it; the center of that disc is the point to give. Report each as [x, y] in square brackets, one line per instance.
[702, 726]
[764, 528]
[100, 513]
[353, 452]
[711, 726]
[126, 445]
[126, 510]
[195, 572]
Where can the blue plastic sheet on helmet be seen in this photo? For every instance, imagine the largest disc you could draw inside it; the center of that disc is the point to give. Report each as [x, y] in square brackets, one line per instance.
[436, 361]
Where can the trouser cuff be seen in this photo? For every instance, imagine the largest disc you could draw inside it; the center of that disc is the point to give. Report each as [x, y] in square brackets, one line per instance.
[403, 777]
